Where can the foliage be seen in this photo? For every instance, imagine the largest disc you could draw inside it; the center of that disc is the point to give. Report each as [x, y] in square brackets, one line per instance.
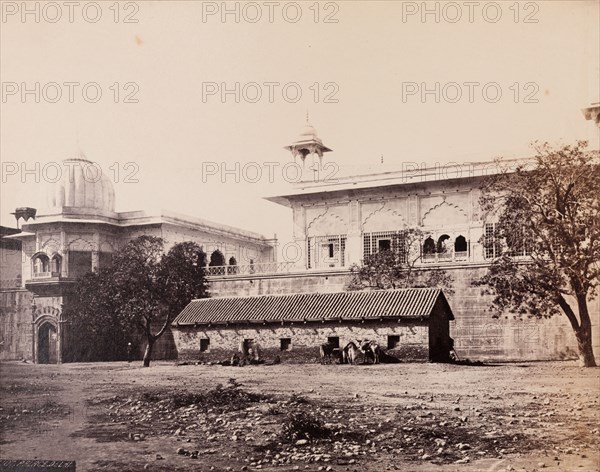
[548, 236]
[303, 424]
[97, 332]
[396, 267]
[142, 289]
[219, 398]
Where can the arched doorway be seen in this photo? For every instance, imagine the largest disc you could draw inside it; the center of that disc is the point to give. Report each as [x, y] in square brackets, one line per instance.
[232, 268]
[47, 344]
[460, 244]
[217, 259]
[429, 246]
[441, 244]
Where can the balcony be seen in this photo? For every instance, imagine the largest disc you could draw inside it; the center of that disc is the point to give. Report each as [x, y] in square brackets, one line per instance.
[267, 268]
[45, 275]
[444, 257]
[262, 268]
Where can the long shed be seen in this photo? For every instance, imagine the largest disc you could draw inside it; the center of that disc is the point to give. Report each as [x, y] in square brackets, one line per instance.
[411, 324]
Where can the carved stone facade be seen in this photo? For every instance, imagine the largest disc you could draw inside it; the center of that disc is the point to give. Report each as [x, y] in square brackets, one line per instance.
[77, 232]
[334, 225]
[337, 222]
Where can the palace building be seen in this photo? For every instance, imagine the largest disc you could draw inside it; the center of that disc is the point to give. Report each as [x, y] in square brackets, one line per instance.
[337, 222]
[76, 231]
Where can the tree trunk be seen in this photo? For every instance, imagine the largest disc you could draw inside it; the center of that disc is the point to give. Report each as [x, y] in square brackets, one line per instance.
[584, 333]
[584, 343]
[148, 352]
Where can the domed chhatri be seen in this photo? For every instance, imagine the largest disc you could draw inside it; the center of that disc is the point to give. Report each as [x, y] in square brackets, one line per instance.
[82, 184]
[307, 142]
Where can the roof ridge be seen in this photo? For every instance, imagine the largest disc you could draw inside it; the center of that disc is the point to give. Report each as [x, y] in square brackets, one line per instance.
[317, 293]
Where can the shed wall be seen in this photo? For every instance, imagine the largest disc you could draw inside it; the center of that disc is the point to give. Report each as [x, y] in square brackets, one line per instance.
[305, 339]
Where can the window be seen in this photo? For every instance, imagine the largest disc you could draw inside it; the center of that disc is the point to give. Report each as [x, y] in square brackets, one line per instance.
[393, 341]
[326, 251]
[460, 244]
[516, 241]
[429, 246]
[217, 259]
[285, 344]
[491, 244]
[41, 264]
[384, 245]
[247, 344]
[385, 241]
[232, 269]
[442, 244]
[204, 344]
[55, 264]
[334, 341]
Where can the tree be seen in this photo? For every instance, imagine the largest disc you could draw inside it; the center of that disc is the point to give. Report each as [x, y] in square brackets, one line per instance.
[547, 238]
[96, 332]
[396, 267]
[144, 288]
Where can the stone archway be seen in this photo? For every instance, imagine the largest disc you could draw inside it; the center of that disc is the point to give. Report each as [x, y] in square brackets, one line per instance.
[47, 344]
[48, 327]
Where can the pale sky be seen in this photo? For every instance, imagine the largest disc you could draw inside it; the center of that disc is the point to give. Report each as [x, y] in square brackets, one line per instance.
[368, 58]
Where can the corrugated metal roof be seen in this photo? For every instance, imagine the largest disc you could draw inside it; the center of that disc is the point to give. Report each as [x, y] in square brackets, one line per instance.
[404, 303]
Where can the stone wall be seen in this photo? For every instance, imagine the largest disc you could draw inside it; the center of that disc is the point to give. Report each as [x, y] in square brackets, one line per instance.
[305, 339]
[477, 334]
[15, 325]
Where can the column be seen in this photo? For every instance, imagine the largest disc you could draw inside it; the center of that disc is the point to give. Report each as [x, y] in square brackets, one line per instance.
[354, 235]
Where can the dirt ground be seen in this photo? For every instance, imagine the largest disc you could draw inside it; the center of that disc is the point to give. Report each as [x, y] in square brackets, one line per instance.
[412, 417]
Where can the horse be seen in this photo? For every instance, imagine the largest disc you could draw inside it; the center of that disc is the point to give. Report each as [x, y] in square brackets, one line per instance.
[326, 351]
[351, 353]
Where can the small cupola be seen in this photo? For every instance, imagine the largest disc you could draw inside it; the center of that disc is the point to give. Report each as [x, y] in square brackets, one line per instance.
[307, 143]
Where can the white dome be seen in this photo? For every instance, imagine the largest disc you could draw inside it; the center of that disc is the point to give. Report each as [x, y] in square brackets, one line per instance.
[308, 133]
[82, 184]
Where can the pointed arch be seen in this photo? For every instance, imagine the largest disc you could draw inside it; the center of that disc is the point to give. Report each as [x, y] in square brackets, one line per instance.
[383, 219]
[429, 246]
[40, 263]
[56, 264]
[460, 244]
[217, 259]
[326, 223]
[442, 245]
[444, 213]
